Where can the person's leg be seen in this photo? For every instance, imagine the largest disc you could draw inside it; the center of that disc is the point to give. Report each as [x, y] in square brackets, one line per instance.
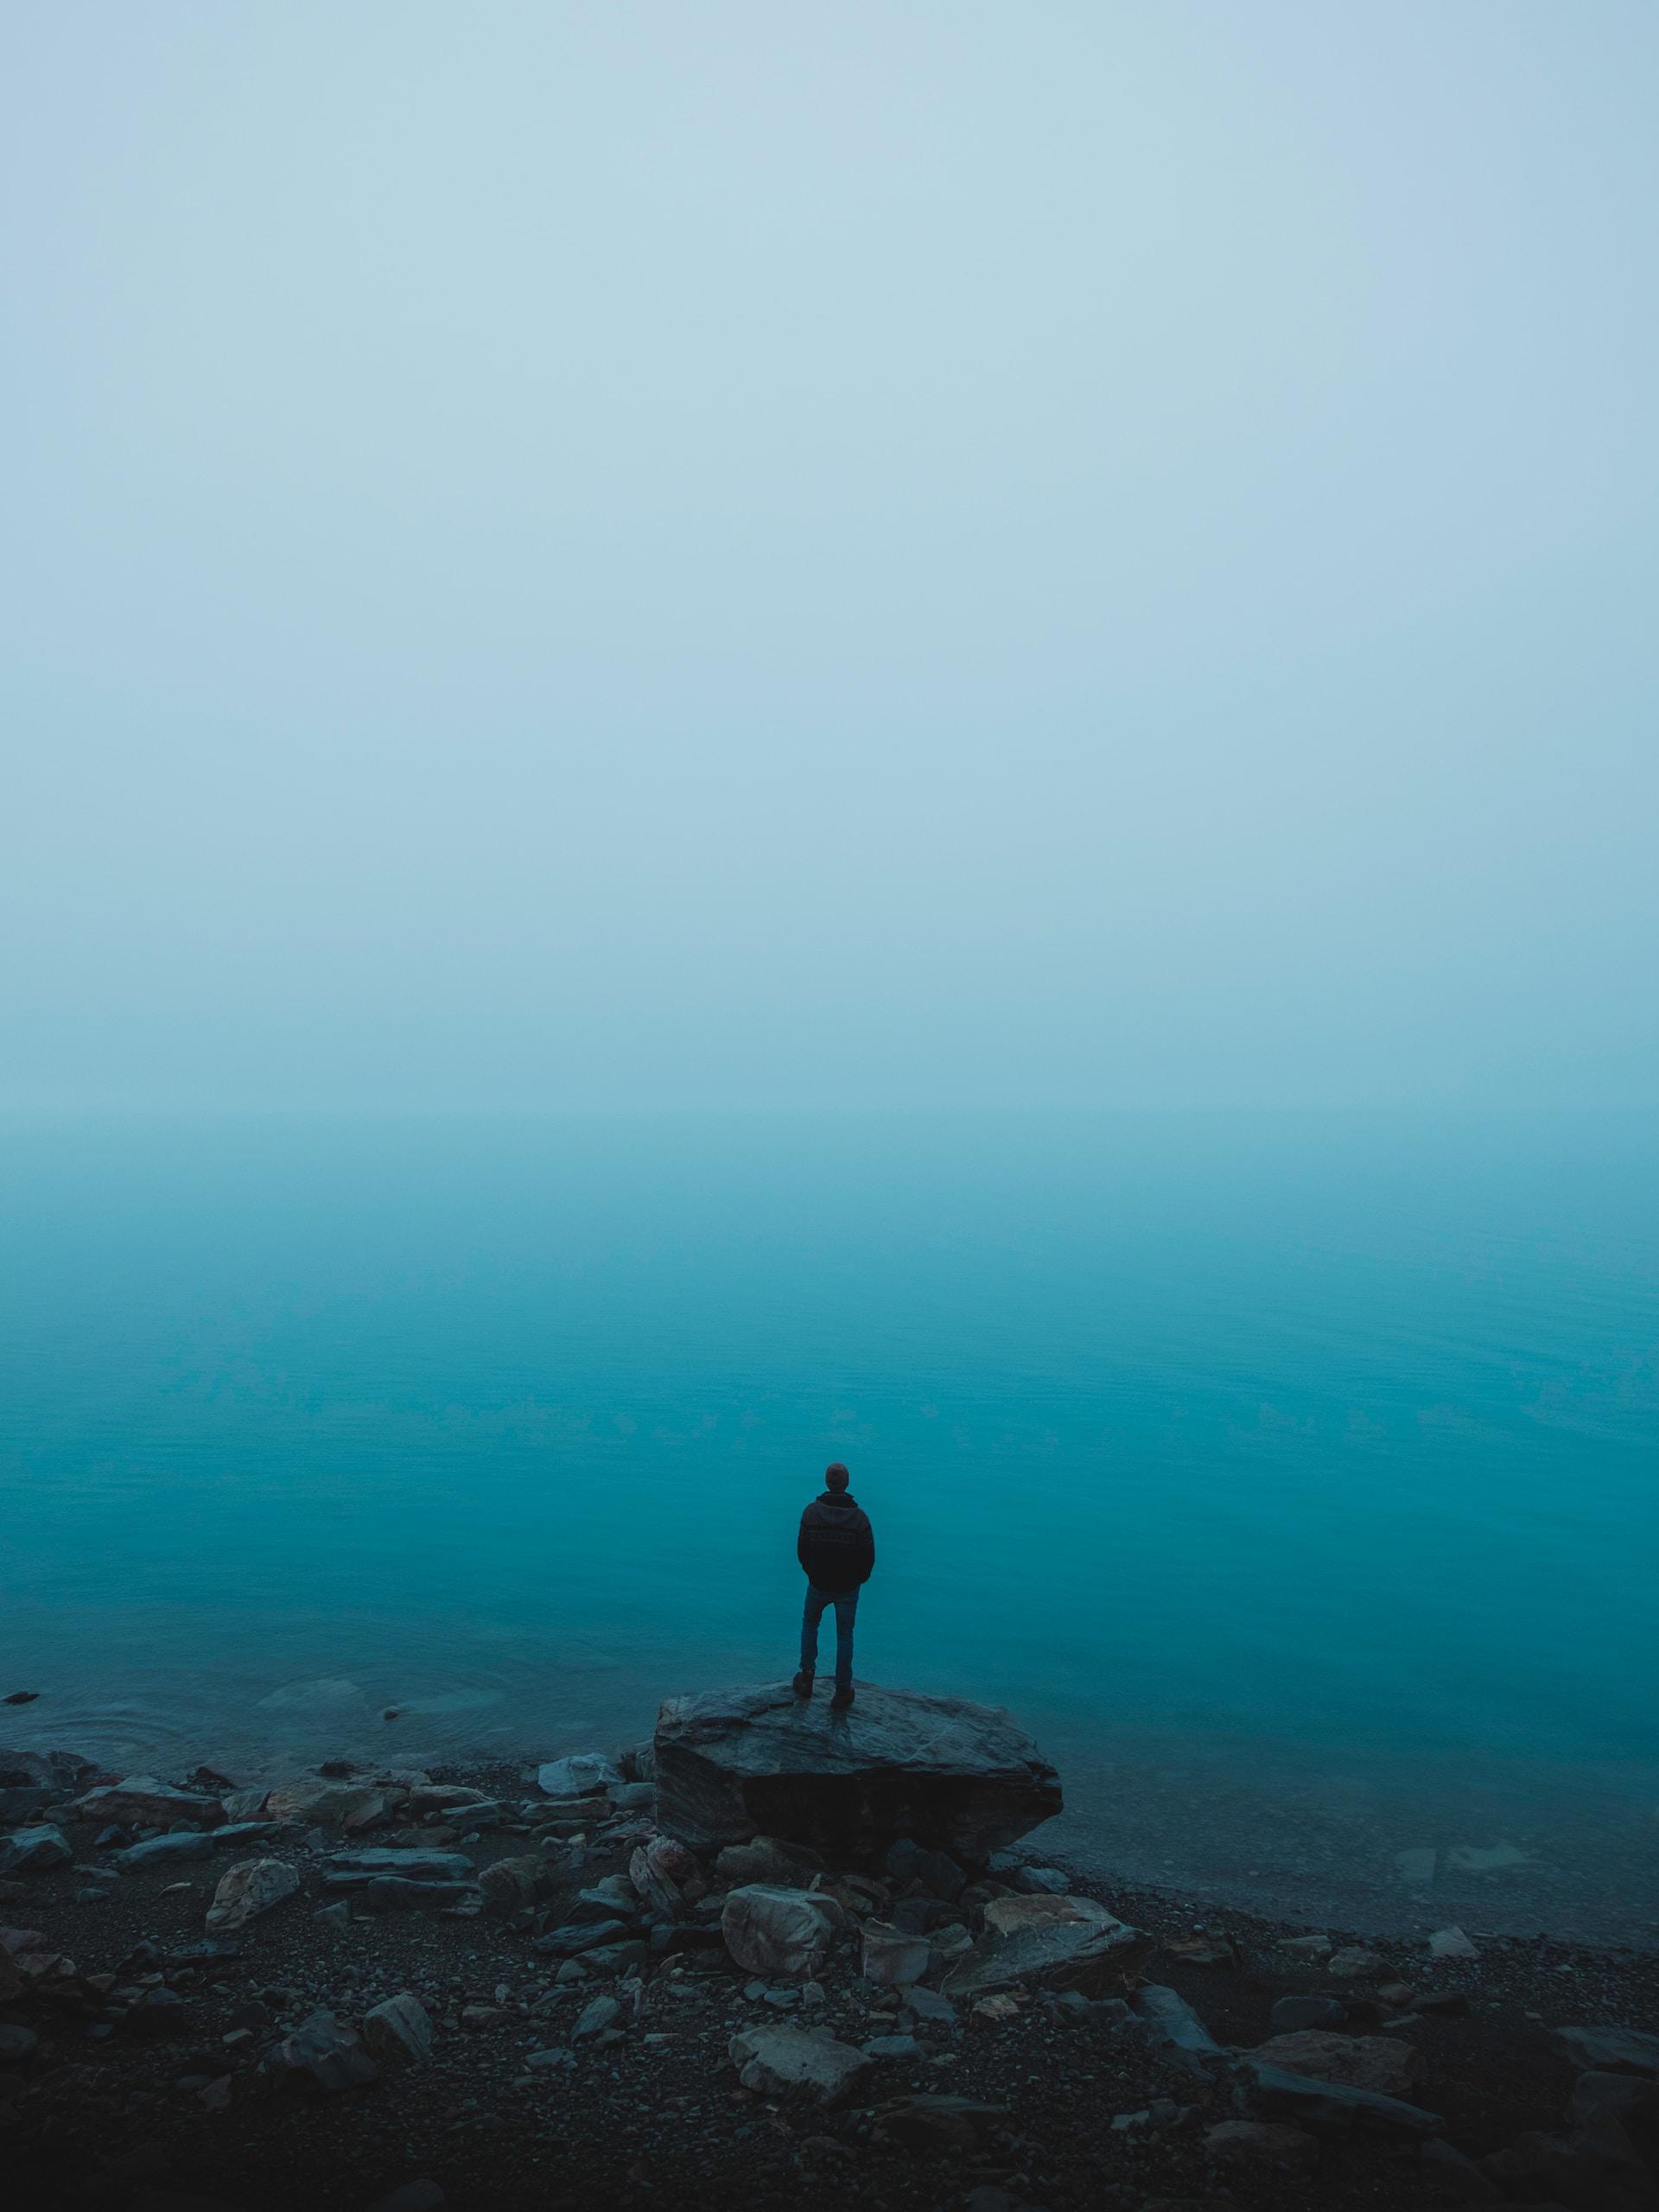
[846, 1606]
[812, 1614]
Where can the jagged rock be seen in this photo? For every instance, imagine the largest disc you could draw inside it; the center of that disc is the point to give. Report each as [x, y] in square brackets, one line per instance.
[1305, 1946]
[164, 1850]
[31, 1851]
[512, 1884]
[1333, 2105]
[142, 1802]
[398, 2031]
[324, 2054]
[736, 1764]
[1262, 2143]
[249, 1888]
[908, 1861]
[411, 1865]
[1608, 2051]
[457, 1797]
[1170, 2020]
[1052, 1942]
[1039, 1881]
[1630, 2099]
[1451, 1943]
[895, 1954]
[599, 2014]
[928, 2004]
[901, 2047]
[807, 2065]
[768, 1859]
[581, 1775]
[1450, 2174]
[666, 1874]
[576, 1936]
[328, 1800]
[776, 1931]
[397, 1893]
[243, 1804]
[1380, 2062]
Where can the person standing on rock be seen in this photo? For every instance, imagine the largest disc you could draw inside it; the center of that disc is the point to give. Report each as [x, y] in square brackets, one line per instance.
[836, 1546]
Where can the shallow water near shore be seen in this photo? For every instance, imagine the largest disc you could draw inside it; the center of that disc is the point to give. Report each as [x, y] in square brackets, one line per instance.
[1291, 1478]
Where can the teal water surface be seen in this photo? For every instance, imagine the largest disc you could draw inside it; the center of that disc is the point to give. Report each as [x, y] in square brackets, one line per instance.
[1292, 1478]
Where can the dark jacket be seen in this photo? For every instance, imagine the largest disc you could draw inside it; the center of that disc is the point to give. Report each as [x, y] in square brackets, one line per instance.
[836, 1545]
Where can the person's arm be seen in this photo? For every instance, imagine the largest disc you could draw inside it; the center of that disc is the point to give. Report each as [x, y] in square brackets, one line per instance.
[800, 1544]
[866, 1550]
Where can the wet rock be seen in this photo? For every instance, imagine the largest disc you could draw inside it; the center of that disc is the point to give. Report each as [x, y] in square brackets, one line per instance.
[1262, 2143]
[1065, 1942]
[251, 1887]
[1451, 1943]
[776, 1931]
[142, 1802]
[323, 2053]
[957, 1777]
[1609, 2050]
[1380, 2063]
[580, 1776]
[398, 2031]
[893, 1955]
[1292, 2012]
[804, 2065]
[32, 1851]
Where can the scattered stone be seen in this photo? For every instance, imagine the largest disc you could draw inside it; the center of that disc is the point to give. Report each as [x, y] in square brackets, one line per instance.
[512, 1884]
[580, 1776]
[358, 1867]
[1063, 1942]
[807, 2065]
[1380, 2062]
[1040, 1881]
[323, 2053]
[17, 2044]
[1262, 2143]
[397, 1893]
[1305, 1946]
[736, 1764]
[552, 2056]
[398, 2031]
[904, 2047]
[323, 1800]
[931, 2123]
[31, 1851]
[776, 1931]
[994, 2010]
[1292, 2012]
[1451, 1943]
[249, 1888]
[576, 1936]
[930, 2005]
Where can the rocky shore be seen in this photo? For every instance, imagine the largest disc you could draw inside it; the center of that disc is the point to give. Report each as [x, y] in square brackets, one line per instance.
[771, 1954]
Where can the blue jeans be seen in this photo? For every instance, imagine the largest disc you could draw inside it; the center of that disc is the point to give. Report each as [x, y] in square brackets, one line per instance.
[846, 1605]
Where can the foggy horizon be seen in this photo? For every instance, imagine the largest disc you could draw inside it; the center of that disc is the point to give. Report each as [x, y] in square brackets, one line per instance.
[905, 559]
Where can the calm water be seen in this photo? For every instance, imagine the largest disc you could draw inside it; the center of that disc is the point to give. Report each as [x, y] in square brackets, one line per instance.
[1294, 1480]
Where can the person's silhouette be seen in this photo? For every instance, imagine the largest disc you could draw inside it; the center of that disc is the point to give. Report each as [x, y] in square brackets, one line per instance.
[836, 1547]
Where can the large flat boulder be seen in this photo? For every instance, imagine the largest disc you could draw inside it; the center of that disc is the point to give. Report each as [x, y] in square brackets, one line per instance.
[736, 1764]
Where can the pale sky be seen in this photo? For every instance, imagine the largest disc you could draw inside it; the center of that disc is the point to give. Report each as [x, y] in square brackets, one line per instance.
[874, 553]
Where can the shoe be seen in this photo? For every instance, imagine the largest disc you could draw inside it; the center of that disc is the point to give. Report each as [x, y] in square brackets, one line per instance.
[803, 1686]
[842, 1698]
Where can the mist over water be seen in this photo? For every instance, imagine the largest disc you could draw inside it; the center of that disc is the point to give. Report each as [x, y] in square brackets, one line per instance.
[1289, 1477]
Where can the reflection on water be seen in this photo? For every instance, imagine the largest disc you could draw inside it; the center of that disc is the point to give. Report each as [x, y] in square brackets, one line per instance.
[1291, 1480]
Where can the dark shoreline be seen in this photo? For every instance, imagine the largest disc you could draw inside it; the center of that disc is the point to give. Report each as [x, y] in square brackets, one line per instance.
[139, 2092]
